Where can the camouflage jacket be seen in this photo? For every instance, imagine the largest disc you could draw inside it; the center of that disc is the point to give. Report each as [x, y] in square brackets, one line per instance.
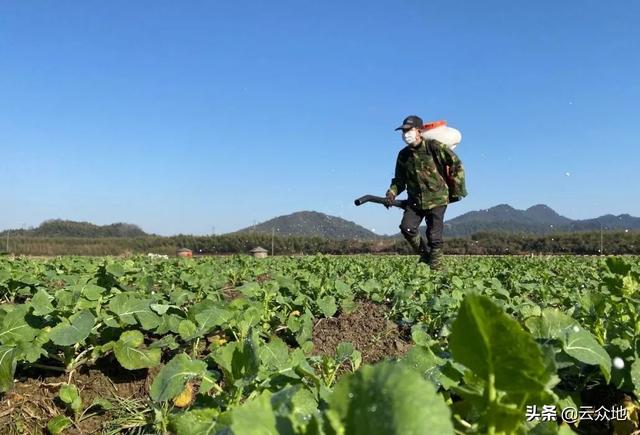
[432, 174]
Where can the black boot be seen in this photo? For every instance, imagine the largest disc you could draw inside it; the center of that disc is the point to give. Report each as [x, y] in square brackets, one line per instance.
[424, 258]
[420, 247]
[418, 244]
[434, 259]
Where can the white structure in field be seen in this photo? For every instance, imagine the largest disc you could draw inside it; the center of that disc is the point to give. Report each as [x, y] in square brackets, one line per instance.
[259, 252]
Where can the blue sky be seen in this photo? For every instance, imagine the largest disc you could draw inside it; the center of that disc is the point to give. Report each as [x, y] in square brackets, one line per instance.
[195, 115]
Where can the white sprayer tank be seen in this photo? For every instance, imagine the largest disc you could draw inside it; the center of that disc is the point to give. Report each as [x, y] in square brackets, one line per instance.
[440, 131]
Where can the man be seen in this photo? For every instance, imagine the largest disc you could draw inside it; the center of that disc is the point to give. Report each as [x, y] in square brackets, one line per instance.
[433, 176]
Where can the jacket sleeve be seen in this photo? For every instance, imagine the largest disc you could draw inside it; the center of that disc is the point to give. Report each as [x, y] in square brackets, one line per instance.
[399, 181]
[455, 173]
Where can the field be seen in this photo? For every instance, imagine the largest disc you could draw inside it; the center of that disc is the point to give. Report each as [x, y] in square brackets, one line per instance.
[319, 345]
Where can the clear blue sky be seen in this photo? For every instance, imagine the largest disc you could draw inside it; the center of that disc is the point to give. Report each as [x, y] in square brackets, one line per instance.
[182, 116]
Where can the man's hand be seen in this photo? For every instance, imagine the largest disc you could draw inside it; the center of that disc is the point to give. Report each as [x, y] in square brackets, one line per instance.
[389, 198]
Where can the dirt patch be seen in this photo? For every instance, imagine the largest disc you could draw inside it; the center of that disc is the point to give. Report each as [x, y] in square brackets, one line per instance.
[33, 402]
[366, 327]
[229, 293]
[263, 278]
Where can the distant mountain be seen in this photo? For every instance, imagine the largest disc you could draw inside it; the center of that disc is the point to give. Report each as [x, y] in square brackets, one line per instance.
[312, 223]
[546, 215]
[608, 221]
[64, 228]
[538, 219]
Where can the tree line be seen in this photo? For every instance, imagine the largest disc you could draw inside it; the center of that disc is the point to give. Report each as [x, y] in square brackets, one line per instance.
[489, 243]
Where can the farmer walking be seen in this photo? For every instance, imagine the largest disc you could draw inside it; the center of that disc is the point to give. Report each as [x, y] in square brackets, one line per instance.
[433, 176]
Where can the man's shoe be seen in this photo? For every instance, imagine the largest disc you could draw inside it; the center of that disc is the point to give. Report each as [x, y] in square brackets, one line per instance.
[424, 258]
[434, 259]
[418, 244]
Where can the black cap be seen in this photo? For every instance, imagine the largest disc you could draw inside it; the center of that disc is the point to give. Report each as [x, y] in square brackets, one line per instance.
[410, 122]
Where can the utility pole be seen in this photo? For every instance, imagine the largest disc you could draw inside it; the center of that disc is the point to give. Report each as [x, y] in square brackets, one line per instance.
[601, 249]
[273, 233]
[7, 241]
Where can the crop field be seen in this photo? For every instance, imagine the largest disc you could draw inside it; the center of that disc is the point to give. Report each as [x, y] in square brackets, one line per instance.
[319, 345]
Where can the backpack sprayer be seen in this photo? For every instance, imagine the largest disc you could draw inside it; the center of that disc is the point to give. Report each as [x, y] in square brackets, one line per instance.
[438, 130]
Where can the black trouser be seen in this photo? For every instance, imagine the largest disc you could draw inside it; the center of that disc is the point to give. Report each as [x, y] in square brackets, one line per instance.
[435, 225]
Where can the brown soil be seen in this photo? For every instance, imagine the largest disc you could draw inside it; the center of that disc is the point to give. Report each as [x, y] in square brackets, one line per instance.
[263, 277]
[366, 327]
[229, 293]
[32, 402]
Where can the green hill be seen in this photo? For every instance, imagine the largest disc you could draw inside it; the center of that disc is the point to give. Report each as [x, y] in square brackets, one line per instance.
[312, 223]
[538, 219]
[64, 228]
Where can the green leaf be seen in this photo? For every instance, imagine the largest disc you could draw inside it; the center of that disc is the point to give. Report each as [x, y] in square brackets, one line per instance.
[629, 286]
[172, 378]
[250, 289]
[492, 344]
[207, 315]
[246, 357]
[92, 292]
[576, 341]
[505, 417]
[130, 353]
[457, 282]
[382, 400]
[73, 330]
[564, 429]
[223, 357]
[552, 324]
[168, 341]
[70, 395]
[275, 355]
[342, 288]
[5, 276]
[420, 336]
[306, 328]
[7, 367]
[99, 402]
[132, 309]
[200, 421]
[58, 424]
[635, 377]
[15, 327]
[255, 417]
[529, 310]
[187, 330]
[344, 351]
[582, 345]
[240, 360]
[327, 306]
[32, 351]
[425, 362]
[115, 269]
[294, 406]
[160, 308]
[41, 303]
[169, 323]
[617, 265]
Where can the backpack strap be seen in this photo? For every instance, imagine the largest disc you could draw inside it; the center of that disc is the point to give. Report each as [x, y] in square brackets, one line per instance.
[443, 170]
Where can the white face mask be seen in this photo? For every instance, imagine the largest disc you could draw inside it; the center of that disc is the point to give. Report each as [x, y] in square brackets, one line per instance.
[411, 137]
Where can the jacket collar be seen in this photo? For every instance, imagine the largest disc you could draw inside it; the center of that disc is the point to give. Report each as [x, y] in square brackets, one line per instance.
[420, 147]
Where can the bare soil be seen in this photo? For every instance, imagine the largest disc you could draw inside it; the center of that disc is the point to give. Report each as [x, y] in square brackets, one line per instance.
[367, 327]
[32, 402]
